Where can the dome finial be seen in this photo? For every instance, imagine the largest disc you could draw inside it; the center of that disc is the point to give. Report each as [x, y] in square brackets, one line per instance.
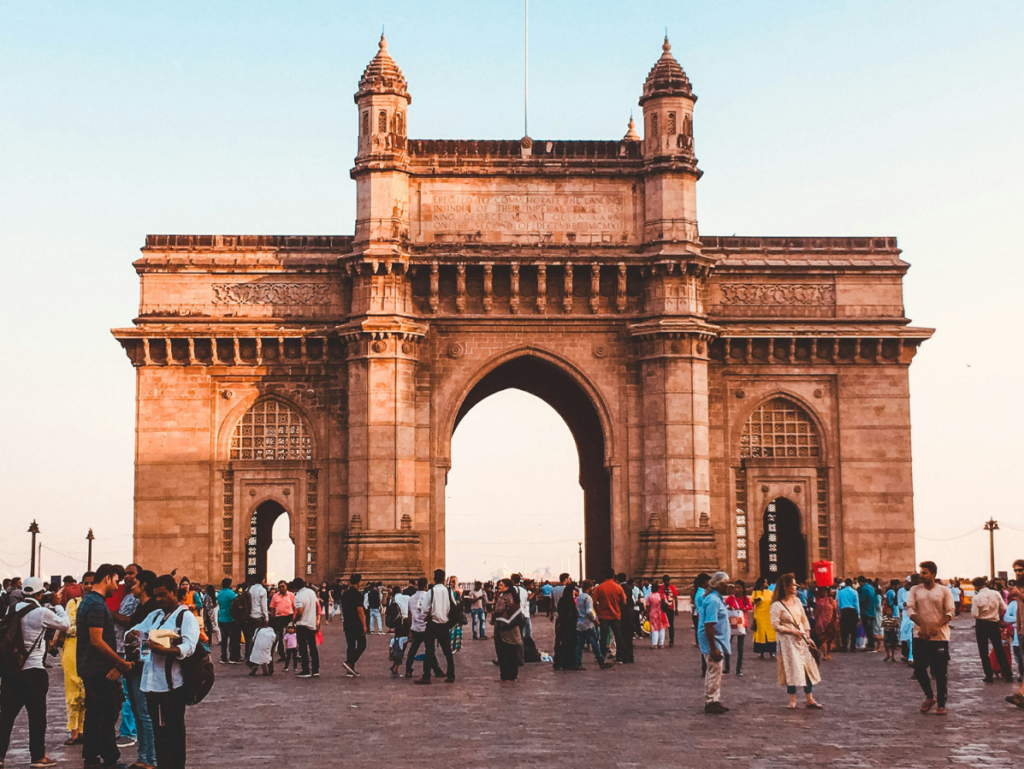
[666, 46]
[383, 45]
[631, 134]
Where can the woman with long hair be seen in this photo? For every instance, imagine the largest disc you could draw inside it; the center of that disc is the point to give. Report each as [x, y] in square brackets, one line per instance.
[507, 617]
[826, 621]
[565, 629]
[796, 663]
[764, 634]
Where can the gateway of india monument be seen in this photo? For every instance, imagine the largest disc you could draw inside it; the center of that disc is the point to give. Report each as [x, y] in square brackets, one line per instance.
[737, 402]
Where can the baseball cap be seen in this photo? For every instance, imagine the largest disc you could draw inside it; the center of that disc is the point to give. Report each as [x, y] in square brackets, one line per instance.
[32, 586]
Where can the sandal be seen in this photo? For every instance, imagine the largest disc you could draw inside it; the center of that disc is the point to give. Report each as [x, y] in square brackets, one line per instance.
[927, 705]
[815, 706]
[1016, 699]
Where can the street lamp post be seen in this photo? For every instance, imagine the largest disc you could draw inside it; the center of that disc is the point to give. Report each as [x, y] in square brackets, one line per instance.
[33, 529]
[90, 537]
[991, 526]
[581, 561]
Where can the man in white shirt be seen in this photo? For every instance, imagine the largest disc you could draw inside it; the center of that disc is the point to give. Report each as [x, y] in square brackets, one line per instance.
[524, 601]
[438, 606]
[28, 687]
[259, 611]
[417, 623]
[988, 608]
[165, 702]
[307, 622]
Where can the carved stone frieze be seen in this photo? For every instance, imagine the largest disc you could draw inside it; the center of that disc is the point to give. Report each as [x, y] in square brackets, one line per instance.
[812, 294]
[271, 293]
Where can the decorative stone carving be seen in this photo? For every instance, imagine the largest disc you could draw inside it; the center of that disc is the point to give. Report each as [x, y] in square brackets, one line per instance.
[456, 350]
[271, 293]
[600, 351]
[379, 346]
[809, 294]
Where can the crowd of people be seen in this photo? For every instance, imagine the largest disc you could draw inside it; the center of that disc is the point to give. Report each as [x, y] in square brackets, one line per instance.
[128, 640]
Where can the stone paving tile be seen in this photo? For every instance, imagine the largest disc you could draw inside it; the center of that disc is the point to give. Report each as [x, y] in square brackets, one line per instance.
[649, 715]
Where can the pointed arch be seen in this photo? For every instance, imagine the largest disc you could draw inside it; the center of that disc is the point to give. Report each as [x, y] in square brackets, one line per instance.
[271, 430]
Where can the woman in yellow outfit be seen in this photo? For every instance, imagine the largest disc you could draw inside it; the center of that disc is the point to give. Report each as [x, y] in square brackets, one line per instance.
[764, 633]
[74, 689]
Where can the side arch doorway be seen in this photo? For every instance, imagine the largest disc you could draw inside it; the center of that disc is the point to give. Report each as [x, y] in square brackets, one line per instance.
[261, 537]
[574, 405]
[783, 546]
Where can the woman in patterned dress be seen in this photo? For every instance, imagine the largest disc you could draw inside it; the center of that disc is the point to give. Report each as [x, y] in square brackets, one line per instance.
[797, 667]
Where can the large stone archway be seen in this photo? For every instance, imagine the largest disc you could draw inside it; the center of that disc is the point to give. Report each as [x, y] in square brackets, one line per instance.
[570, 269]
[552, 384]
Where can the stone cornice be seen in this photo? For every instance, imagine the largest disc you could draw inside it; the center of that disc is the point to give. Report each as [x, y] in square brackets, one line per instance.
[672, 327]
[383, 327]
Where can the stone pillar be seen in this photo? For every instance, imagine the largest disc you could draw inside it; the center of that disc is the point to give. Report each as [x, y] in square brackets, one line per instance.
[674, 381]
[679, 539]
[380, 542]
[383, 355]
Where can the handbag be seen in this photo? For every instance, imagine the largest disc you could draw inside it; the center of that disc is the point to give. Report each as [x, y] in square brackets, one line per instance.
[815, 654]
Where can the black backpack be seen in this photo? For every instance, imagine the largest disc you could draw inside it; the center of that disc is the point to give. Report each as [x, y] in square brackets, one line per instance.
[241, 606]
[196, 669]
[393, 615]
[456, 612]
[12, 643]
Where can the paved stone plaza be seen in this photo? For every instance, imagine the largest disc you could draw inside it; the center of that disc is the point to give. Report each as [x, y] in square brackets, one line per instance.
[649, 715]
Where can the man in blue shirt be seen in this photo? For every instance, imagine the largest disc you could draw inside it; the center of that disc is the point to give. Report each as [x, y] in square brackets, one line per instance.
[714, 640]
[868, 596]
[230, 631]
[848, 601]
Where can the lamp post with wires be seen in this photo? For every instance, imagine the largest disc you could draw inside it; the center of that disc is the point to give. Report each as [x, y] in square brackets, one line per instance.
[991, 526]
[33, 529]
[90, 537]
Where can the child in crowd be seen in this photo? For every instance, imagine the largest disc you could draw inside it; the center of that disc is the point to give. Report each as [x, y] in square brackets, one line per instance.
[891, 632]
[262, 655]
[291, 648]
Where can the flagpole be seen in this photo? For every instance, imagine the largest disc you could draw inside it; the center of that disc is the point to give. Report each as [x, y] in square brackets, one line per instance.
[526, 72]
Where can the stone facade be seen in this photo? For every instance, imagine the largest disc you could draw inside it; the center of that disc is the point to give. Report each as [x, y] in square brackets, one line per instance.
[706, 379]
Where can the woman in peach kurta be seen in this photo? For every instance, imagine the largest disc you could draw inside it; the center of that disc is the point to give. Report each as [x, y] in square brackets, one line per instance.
[796, 663]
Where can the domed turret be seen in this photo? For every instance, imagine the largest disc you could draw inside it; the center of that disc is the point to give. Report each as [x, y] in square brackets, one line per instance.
[666, 78]
[383, 99]
[382, 75]
[381, 170]
[667, 102]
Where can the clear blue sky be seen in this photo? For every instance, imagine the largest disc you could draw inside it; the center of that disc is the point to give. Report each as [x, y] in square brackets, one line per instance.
[815, 118]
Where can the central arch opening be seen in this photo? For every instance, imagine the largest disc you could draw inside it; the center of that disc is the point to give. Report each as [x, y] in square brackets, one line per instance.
[476, 511]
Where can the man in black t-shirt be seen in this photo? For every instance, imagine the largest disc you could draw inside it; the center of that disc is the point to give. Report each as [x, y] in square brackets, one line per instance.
[100, 668]
[354, 624]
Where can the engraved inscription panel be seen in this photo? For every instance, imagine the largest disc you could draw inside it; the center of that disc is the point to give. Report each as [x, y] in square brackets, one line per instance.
[583, 217]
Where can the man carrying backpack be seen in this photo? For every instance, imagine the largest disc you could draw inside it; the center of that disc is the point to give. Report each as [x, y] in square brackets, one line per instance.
[27, 687]
[162, 678]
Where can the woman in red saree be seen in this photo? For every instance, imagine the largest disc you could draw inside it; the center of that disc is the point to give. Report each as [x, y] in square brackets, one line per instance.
[826, 622]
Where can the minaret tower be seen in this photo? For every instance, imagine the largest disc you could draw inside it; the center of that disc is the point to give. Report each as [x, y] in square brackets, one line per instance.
[667, 102]
[381, 173]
